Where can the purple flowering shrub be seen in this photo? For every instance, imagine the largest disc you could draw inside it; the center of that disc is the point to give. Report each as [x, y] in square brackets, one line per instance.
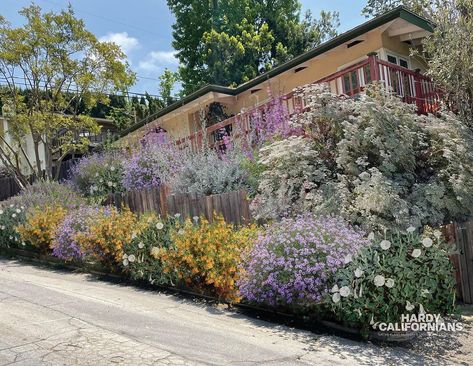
[153, 164]
[46, 193]
[66, 245]
[293, 262]
[99, 174]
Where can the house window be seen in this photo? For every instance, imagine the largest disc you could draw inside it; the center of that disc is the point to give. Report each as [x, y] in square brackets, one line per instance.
[398, 61]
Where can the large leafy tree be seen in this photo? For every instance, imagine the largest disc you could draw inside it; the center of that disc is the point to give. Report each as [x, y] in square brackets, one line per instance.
[228, 42]
[55, 71]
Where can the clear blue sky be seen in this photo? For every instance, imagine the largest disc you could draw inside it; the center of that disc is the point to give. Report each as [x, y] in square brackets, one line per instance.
[143, 28]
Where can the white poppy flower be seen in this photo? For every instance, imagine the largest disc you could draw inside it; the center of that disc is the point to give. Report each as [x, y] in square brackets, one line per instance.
[1, 212]
[379, 280]
[335, 288]
[125, 256]
[336, 297]
[358, 272]
[385, 244]
[177, 215]
[416, 253]
[141, 245]
[159, 225]
[11, 206]
[427, 242]
[437, 234]
[131, 258]
[14, 215]
[125, 262]
[110, 184]
[23, 243]
[2, 227]
[345, 291]
[411, 229]
[389, 283]
[195, 218]
[181, 231]
[11, 237]
[133, 236]
[371, 236]
[112, 168]
[409, 306]
[425, 292]
[18, 210]
[348, 258]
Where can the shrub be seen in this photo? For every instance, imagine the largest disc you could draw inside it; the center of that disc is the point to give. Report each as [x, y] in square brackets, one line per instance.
[107, 234]
[153, 164]
[98, 175]
[142, 256]
[40, 226]
[65, 244]
[397, 274]
[373, 161]
[206, 256]
[293, 261]
[11, 217]
[208, 173]
[291, 167]
[47, 193]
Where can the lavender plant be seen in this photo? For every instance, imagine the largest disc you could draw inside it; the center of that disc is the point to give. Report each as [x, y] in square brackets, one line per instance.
[153, 164]
[65, 244]
[99, 175]
[47, 193]
[294, 261]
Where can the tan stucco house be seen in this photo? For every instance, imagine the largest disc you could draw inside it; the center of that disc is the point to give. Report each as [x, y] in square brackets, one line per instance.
[379, 49]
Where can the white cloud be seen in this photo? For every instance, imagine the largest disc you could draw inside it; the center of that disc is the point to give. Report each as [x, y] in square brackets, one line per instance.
[126, 43]
[157, 60]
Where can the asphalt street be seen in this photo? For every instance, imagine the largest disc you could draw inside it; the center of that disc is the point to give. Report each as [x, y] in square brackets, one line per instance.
[50, 317]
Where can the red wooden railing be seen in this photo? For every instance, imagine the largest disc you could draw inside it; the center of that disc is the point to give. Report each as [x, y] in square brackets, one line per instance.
[411, 86]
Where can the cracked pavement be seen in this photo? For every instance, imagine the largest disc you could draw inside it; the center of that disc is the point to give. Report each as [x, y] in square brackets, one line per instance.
[50, 317]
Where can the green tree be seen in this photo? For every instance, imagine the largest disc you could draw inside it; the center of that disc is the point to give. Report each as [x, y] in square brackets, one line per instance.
[66, 71]
[167, 80]
[231, 41]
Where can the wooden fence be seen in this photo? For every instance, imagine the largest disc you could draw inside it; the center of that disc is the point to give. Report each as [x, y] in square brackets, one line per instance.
[8, 188]
[463, 259]
[234, 206]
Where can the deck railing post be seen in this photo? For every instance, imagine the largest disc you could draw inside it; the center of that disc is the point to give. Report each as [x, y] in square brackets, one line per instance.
[418, 89]
[373, 62]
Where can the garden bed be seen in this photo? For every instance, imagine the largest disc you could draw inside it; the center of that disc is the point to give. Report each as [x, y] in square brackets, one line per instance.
[257, 311]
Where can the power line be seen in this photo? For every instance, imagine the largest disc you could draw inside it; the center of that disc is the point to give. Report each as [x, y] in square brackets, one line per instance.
[3, 82]
[104, 18]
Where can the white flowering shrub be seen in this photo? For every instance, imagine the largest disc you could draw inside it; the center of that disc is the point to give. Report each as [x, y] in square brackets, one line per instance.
[11, 216]
[373, 161]
[400, 274]
[291, 168]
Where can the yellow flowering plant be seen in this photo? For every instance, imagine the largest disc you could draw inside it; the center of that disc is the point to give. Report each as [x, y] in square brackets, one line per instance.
[40, 226]
[206, 255]
[108, 233]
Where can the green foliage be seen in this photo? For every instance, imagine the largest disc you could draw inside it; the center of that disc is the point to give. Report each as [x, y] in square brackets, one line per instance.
[11, 216]
[400, 274]
[228, 42]
[167, 80]
[142, 258]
